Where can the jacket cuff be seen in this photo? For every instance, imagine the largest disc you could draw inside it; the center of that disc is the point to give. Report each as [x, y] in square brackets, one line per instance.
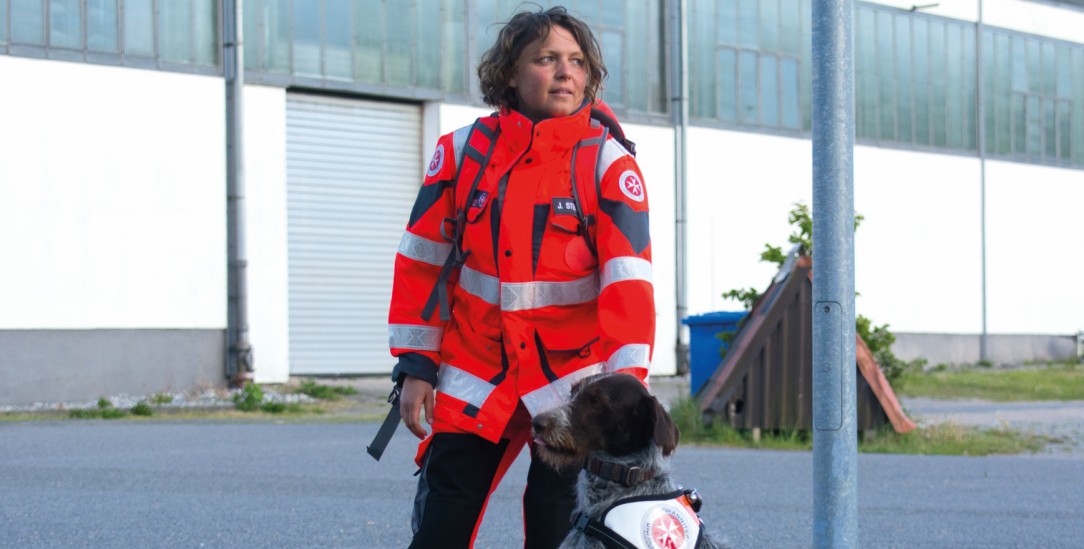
[415, 365]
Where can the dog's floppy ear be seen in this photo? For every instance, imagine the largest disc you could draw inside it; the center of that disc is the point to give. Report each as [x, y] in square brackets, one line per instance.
[666, 433]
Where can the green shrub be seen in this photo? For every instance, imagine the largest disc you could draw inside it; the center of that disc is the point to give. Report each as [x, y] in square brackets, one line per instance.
[142, 408]
[249, 399]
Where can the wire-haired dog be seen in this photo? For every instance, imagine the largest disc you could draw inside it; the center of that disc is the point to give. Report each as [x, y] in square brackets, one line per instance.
[622, 438]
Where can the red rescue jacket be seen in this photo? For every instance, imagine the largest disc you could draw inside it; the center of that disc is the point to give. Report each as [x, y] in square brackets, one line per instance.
[532, 309]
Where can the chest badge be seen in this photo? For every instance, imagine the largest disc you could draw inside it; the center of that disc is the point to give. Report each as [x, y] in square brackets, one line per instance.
[565, 206]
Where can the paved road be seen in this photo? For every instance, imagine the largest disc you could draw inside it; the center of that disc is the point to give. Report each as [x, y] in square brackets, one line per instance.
[173, 484]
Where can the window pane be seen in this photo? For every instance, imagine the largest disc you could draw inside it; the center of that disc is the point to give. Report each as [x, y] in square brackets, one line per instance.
[903, 77]
[613, 13]
[455, 43]
[865, 75]
[1064, 115]
[427, 49]
[1034, 126]
[747, 23]
[886, 77]
[65, 24]
[1019, 124]
[254, 41]
[369, 52]
[102, 25]
[920, 39]
[790, 27]
[1050, 72]
[205, 33]
[968, 91]
[306, 42]
[747, 87]
[702, 60]
[788, 84]
[769, 90]
[340, 40]
[399, 42]
[638, 59]
[769, 25]
[1035, 66]
[953, 89]
[1077, 138]
[1003, 93]
[27, 22]
[3, 21]
[1063, 68]
[1050, 130]
[174, 31]
[728, 91]
[727, 21]
[937, 84]
[612, 43]
[139, 27]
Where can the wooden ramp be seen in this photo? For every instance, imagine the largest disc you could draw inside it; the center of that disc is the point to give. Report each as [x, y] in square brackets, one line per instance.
[766, 379]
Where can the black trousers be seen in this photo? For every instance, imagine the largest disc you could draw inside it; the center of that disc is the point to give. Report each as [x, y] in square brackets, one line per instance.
[457, 475]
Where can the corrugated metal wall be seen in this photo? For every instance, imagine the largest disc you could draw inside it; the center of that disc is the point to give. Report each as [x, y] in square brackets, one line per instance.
[352, 169]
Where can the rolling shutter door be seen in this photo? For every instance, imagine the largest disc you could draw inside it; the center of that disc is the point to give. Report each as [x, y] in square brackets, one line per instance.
[353, 169]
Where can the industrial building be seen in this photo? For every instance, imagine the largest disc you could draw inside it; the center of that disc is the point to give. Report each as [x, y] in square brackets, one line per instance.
[158, 207]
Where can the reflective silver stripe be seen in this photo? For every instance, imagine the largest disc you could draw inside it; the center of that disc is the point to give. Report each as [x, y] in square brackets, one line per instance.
[610, 153]
[459, 141]
[409, 336]
[485, 287]
[558, 392]
[423, 249]
[630, 356]
[626, 268]
[462, 385]
[520, 296]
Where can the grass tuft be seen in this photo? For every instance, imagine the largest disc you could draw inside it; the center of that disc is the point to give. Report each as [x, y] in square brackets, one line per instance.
[325, 392]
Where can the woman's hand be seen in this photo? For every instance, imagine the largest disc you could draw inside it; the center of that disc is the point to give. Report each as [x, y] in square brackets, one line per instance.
[416, 395]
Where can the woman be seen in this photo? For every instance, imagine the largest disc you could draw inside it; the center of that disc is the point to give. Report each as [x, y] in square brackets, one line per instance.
[539, 281]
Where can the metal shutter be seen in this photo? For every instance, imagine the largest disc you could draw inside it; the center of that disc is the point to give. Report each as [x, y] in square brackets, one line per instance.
[352, 172]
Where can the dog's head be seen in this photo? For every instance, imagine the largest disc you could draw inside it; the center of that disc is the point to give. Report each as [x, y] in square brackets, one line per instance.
[613, 414]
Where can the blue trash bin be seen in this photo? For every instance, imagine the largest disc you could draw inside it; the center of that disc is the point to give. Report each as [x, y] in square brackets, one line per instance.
[705, 346]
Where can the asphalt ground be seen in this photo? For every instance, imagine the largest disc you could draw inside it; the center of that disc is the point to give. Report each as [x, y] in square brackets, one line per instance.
[270, 483]
[162, 484]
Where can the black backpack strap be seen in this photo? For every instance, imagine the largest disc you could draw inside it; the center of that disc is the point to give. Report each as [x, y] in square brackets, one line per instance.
[456, 258]
[615, 129]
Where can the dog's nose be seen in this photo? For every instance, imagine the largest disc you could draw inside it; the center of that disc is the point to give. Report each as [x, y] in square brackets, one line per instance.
[538, 424]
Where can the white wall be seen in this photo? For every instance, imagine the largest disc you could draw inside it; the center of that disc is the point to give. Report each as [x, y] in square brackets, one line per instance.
[1035, 252]
[266, 239]
[741, 187]
[918, 264]
[112, 198]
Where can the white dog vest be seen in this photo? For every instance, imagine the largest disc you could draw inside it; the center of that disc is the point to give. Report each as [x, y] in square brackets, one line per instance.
[664, 521]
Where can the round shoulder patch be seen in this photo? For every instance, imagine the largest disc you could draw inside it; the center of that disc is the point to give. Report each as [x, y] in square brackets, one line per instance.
[631, 186]
[437, 162]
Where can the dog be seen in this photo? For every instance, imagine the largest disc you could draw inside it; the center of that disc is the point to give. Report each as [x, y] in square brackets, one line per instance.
[623, 439]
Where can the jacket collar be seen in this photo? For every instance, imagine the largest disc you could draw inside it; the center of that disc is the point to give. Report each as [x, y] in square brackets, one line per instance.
[550, 136]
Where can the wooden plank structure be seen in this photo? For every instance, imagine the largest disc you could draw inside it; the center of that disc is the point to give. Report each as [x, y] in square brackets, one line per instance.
[765, 381]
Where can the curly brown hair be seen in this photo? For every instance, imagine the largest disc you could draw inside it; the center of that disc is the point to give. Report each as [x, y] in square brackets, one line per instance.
[498, 64]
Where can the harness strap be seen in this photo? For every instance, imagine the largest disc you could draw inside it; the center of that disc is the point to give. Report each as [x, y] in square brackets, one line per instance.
[387, 429]
[599, 531]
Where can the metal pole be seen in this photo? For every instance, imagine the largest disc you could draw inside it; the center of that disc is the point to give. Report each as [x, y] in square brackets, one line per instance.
[680, 107]
[835, 436]
[238, 349]
[980, 126]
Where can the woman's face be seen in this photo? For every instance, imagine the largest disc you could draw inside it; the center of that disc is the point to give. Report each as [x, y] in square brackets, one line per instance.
[551, 76]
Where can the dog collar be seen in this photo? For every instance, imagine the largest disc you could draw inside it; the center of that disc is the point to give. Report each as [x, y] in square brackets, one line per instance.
[617, 472]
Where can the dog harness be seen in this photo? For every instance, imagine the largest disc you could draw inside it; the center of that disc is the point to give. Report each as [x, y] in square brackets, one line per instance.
[665, 521]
